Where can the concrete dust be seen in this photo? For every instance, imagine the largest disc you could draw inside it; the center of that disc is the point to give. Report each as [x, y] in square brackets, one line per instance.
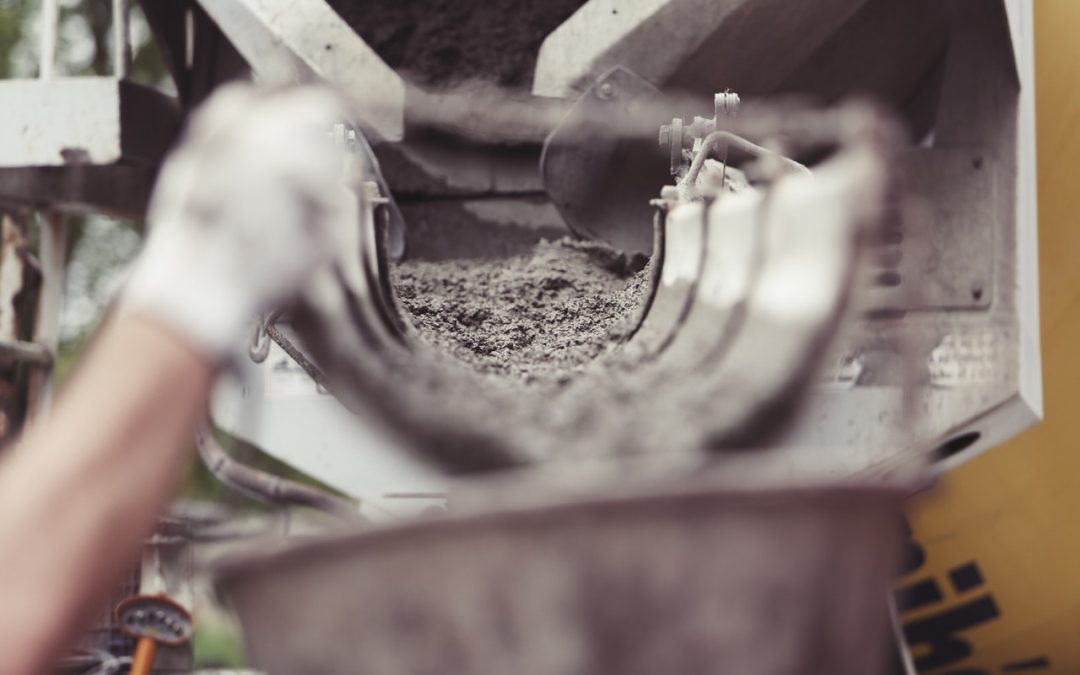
[536, 317]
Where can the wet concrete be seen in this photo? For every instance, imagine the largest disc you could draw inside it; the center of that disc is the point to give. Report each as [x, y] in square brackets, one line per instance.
[540, 316]
[531, 359]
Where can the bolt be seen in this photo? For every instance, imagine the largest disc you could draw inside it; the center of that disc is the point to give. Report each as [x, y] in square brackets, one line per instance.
[726, 104]
[606, 91]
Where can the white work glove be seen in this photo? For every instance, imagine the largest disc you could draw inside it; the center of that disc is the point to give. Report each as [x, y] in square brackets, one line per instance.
[246, 209]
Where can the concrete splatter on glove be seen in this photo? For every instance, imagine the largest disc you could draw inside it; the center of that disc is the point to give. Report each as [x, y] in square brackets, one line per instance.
[246, 209]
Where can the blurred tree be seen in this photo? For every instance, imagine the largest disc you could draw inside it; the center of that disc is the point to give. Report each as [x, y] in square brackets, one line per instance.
[12, 16]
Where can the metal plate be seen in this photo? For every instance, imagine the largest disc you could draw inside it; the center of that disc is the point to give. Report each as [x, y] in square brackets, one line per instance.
[279, 408]
[85, 120]
[601, 180]
[290, 40]
[952, 258]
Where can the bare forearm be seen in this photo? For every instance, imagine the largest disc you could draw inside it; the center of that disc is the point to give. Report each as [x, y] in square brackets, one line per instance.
[82, 491]
[247, 209]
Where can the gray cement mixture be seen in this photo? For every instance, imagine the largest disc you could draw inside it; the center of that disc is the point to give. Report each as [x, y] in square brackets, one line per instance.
[539, 317]
[528, 360]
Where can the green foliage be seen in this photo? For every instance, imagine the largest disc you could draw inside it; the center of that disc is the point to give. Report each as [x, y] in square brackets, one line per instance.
[12, 17]
[83, 41]
[217, 644]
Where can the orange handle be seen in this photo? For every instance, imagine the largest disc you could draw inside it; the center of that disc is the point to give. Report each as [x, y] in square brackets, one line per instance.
[143, 660]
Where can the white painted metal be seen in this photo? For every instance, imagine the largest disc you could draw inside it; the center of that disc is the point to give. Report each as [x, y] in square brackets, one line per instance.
[77, 120]
[1022, 22]
[654, 38]
[297, 40]
[50, 19]
[42, 126]
[276, 406]
[1025, 407]
[121, 38]
[983, 361]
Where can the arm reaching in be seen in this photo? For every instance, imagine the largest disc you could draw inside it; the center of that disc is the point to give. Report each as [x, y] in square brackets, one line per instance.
[83, 489]
[249, 206]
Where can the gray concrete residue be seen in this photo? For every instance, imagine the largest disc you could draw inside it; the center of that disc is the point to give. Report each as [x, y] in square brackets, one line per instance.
[444, 42]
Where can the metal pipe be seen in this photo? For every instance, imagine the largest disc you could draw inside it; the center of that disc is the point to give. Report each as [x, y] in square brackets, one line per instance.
[53, 256]
[267, 487]
[727, 139]
[50, 20]
[29, 353]
[121, 38]
[295, 354]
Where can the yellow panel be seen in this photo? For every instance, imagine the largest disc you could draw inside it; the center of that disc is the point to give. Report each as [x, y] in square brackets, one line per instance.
[1015, 511]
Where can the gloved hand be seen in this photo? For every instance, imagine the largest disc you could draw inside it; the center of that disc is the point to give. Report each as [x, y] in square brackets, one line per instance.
[246, 209]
